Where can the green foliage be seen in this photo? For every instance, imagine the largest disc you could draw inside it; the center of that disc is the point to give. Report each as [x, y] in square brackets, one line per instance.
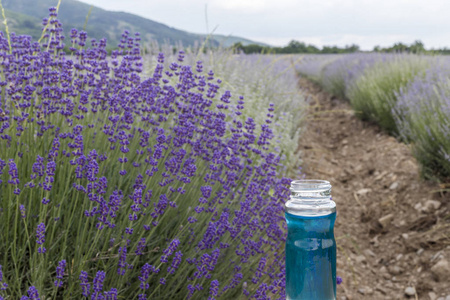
[416, 48]
[373, 94]
[335, 84]
[430, 145]
[294, 47]
[423, 118]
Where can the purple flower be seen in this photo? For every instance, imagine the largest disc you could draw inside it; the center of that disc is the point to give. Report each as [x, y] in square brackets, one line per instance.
[161, 205]
[338, 279]
[60, 273]
[22, 211]
[33, 293]
[40, 237]
[97, 286]
[111, 295]
[170, 250]
[13, 172]
[214, 289]
[2, 165]
[122, 260]
[55, 149]
[3, 285]
[192, 289]
[145, 273]
[206, 191]
[140, 247]
[38, 167]
[175, 263]
[14, 176]
[84, 284]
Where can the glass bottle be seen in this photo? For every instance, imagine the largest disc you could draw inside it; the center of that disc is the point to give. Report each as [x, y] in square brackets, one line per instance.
[310, 245]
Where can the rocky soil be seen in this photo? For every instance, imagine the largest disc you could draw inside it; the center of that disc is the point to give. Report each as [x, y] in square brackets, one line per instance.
[392, 228]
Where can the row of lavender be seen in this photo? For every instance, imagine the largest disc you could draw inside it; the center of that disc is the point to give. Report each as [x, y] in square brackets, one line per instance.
[142, 178]
[408, 95]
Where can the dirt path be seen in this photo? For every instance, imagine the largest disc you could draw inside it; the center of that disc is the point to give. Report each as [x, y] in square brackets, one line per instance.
[392, 230]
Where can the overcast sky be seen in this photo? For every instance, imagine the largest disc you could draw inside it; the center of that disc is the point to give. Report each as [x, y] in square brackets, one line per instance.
[319, 22]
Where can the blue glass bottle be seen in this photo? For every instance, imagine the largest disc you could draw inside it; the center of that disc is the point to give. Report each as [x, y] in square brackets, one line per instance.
[310, 245]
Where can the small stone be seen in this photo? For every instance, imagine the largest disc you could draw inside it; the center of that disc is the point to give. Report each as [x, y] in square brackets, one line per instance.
[432, 295]
[368, 290]
[395, 270]
[362, 291]
[359, 168]
[431, 205]
[382, 289]
[410, 291]
[394, 186]
[441, 270]
[360, 259]
[420, 251]
[418, 207]
[375, 241]
[369, 252]
[362, 192]
[386, 220]
[399, 257]
[436, 256]
[405, 236]
[448, 297]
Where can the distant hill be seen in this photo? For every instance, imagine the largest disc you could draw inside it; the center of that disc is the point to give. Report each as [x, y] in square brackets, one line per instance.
[25, 17]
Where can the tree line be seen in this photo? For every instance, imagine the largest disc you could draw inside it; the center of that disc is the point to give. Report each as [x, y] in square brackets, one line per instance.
[294, 47]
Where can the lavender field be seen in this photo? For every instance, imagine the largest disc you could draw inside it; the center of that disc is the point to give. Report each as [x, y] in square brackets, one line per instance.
[407, 95]
[130, 177]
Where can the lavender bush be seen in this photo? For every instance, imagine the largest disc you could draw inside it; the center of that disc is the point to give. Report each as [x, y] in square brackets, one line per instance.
[422, 114]
[114, 184]
[312, 65]
[263, 79]
[373, 93]
[338, 76]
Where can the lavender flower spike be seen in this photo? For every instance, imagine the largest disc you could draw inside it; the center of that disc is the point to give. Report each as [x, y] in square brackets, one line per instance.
[3, 285]
[33, 293]
[98, 286]
[60, 273]
[84, 283]
[40, 237]
[170, 250]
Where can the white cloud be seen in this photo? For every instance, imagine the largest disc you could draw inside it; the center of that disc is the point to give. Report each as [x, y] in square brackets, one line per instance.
[250, 6]
[324, 22]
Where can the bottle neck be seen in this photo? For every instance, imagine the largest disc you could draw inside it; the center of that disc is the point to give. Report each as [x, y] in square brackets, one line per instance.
[310, 198]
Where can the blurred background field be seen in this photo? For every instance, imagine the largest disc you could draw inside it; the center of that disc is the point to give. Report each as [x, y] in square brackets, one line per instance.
[405, 94]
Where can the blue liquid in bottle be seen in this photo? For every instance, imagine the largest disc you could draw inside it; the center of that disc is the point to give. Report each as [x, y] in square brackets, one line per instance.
[310, 258]
[310, 244]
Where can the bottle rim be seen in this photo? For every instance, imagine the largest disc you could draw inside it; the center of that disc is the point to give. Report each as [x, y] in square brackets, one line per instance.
[310, 185]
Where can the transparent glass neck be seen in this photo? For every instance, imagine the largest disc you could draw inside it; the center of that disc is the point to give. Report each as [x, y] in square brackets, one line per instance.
[310, 198]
